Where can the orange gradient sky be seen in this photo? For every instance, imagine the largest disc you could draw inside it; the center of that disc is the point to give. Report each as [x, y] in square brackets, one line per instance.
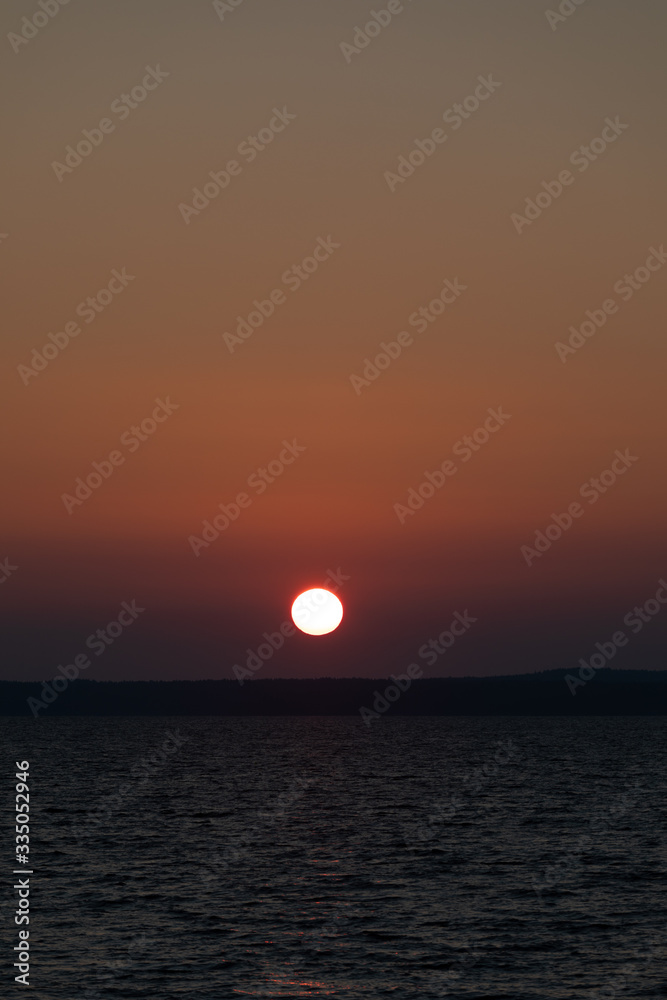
[323, 177]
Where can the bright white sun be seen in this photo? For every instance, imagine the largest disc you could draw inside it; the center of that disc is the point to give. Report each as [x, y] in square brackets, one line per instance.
[317, 612]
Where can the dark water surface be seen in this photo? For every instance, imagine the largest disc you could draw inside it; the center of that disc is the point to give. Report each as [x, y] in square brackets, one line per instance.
[515, 858]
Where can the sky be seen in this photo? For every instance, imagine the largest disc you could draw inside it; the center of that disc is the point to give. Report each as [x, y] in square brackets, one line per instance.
[504, 162]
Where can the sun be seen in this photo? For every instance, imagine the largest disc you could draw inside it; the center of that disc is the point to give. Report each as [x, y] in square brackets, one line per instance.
[317, 612]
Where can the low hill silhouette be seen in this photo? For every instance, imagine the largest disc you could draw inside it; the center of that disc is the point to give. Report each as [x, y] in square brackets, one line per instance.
[609, 692]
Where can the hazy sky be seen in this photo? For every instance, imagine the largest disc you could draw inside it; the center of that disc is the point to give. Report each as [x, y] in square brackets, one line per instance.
[335, 165]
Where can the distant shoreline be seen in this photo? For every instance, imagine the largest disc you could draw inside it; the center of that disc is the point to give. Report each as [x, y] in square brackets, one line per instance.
[609, 692]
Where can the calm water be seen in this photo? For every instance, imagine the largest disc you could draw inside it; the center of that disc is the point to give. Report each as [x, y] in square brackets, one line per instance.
[489, 858]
